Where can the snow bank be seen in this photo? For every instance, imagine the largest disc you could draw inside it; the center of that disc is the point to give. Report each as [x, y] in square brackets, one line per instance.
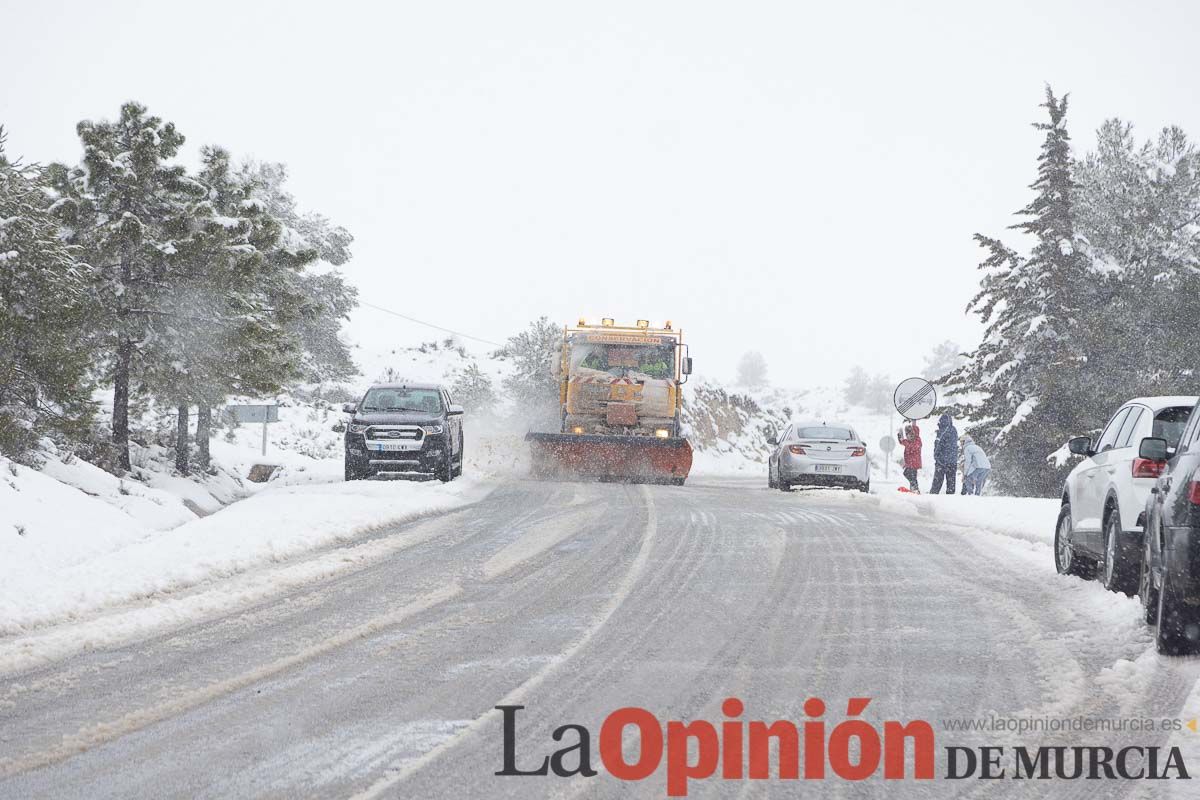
[83, 558]
[69, 511]
[1029, 518]
[45, 523]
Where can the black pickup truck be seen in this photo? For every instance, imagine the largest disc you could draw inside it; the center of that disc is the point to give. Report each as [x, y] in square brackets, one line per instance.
[404, 428]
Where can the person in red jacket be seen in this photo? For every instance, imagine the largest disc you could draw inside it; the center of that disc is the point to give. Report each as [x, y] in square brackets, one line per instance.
[910, 439]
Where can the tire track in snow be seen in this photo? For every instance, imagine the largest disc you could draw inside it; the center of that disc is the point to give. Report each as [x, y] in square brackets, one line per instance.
[101, 733]
[516, 695]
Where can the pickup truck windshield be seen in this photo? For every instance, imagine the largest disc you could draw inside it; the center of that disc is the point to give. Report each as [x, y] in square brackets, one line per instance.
[426, 400]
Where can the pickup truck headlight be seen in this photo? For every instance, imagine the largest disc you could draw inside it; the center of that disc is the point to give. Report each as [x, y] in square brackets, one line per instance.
[432, 429]
[357, 428]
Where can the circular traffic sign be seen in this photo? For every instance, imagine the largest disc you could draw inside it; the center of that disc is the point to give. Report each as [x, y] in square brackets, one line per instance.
[915, 398]
[887, 444]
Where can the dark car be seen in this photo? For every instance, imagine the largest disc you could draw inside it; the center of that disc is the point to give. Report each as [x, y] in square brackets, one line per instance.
[1170, 575]
[404, 428]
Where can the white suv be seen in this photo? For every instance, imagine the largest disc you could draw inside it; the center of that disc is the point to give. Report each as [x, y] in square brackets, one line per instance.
[1103, 505]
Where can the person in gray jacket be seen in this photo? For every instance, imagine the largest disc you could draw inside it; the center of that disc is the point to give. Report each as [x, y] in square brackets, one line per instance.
[975, 467]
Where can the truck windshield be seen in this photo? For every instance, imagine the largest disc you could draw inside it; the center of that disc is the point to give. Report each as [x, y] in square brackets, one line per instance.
[402, 399]
[623, 360]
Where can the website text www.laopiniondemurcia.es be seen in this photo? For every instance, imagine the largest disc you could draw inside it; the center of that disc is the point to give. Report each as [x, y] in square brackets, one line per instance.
[853, 749]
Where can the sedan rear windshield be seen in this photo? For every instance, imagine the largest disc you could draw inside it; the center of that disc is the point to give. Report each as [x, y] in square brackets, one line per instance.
[831, 434]
[1170, 422]
[402, 400]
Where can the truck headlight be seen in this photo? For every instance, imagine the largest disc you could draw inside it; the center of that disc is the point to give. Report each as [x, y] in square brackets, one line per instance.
[432, 429]
[356, 428]
[662, 433]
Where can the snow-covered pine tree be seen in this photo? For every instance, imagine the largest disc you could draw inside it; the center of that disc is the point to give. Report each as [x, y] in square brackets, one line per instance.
[218, 310]
[119, 204]
[878, 394]
[752, 370]
[532, 385]
[1139, 217]
[1032, 380]
[856, 385]
[942, 360]
[45, 386]
[473, 389]
[308, 293]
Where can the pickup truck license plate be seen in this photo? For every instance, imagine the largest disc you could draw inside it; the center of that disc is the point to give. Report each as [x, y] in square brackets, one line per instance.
[384, 447]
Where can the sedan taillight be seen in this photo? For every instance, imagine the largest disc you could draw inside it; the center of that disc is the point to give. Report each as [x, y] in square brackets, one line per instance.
[796, 450]
[1145, 468]
[857, 451]
[1194, 493]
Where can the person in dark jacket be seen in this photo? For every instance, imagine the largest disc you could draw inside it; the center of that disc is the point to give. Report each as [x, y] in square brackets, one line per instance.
[945, 456]
[910, 440]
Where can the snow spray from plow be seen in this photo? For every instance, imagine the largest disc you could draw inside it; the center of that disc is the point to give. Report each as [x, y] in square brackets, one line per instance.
[632, 458]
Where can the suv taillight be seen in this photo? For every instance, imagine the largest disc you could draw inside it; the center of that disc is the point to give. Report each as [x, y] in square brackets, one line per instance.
[1194, 493]
[1145, 468]
[796, 450]
[857, 451]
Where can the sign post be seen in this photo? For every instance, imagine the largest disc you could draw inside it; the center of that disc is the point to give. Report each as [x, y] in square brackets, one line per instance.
[887, 444]
[915, 398]
[264, 414]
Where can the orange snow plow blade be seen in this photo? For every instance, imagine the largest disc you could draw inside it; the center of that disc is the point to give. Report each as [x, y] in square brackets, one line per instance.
[648, 459]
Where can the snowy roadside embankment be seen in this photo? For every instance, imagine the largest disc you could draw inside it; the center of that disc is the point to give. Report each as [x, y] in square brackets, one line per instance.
[94, 559]
[1029, 518]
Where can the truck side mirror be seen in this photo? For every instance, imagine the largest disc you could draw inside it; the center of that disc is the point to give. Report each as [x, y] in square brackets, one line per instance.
[349, 408]
[1153, 448]
[339, 428]
[687, 366]
[1081, 446]
[454, 410]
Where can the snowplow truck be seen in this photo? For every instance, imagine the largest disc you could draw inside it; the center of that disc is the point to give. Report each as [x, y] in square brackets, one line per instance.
[619, 389]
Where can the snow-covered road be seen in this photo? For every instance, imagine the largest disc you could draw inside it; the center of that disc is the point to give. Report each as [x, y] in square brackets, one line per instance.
[575, 600]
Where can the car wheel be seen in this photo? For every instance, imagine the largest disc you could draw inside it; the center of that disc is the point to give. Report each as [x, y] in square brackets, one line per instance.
[865, 487]
[1117, 570]
[1146, 591]
[677, 481]
[458, 467]
[1178, 626]
[784, 486]
[445, 470]
[1065, 560]
[351, 473]
[771, 482]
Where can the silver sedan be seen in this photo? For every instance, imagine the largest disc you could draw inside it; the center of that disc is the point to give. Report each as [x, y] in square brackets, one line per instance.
[819, 454]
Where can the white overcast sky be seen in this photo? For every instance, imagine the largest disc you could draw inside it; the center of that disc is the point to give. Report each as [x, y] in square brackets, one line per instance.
[801, 179]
